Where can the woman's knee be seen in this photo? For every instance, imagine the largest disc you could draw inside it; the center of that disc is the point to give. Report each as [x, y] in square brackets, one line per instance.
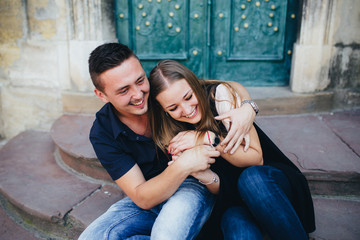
[252, 177]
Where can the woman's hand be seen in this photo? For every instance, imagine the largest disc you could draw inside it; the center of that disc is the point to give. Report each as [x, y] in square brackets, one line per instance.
[196, 159]
[239, 122]
[182, 141]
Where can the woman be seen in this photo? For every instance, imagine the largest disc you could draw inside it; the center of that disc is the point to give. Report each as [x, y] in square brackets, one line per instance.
[272, 199]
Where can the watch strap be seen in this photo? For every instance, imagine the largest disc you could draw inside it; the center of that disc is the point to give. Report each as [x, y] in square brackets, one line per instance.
[252, 104]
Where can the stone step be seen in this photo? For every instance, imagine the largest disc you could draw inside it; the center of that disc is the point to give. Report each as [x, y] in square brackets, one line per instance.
[70, 133]
[282, 101]
[48, 198]
[336, 218]
[325, 147]
[330, 165]
[10, 230]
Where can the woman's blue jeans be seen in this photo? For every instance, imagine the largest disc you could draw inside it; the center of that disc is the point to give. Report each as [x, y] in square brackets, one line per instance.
[267, 193]
[180, 217]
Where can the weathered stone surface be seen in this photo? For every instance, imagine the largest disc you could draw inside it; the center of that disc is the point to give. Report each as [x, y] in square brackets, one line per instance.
[71, 134]
[25, 108]
[31, 180]
[98, 203]
[11, 230]
[38, 66]
[10, 15]
[310, 144]
[346, 125]
[81, 103]
[79, 52]
[336, 219]
[333, 183]
[280, 101]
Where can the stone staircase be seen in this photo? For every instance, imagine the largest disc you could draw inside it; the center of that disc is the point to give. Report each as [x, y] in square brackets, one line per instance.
[52, 185]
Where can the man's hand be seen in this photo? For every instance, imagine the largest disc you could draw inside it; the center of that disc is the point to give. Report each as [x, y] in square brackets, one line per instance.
[182, 141]
[197, 159]
[239, 122]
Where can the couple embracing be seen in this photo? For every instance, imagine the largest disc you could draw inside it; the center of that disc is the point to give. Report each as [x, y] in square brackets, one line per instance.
[189, 157]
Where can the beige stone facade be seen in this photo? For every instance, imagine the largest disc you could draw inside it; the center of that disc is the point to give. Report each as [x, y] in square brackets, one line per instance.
[45, 44]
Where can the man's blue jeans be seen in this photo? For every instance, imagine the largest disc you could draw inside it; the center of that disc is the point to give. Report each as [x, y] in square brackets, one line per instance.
[267, 193]
[180, 217]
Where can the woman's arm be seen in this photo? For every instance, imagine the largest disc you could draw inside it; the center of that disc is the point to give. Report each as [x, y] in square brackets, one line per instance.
[241, 119]
[240, 158]
[224, 102]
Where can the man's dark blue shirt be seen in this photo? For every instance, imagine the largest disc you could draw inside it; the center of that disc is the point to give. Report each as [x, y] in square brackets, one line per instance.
[118, 148]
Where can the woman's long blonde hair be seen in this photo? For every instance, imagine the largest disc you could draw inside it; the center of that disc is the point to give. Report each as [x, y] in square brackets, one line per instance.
[164, 127]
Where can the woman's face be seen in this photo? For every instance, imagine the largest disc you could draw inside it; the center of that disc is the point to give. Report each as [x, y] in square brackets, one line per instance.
[180, 102]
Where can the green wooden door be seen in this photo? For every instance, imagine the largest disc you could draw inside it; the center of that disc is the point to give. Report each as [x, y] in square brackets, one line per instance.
[163, 29]
[249, 41]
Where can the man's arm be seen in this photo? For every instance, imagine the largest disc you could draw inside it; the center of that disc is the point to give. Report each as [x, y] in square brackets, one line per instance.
[147, 194]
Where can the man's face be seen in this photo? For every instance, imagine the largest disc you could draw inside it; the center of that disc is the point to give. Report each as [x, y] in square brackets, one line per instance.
[126, 87]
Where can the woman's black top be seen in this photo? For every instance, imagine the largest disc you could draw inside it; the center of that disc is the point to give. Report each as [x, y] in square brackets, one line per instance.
[228, 195]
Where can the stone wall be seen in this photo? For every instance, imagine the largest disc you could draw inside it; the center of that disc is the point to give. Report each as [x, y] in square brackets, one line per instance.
[345, 63]
[45, 44]
[326, 55]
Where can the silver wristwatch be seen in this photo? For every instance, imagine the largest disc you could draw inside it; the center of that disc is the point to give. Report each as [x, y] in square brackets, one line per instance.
[252, 104]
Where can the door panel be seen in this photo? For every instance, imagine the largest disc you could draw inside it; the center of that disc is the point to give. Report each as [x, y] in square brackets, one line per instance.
[249, 41]
[252, 41]
[163, 29]
[166, 25]
[256, 30]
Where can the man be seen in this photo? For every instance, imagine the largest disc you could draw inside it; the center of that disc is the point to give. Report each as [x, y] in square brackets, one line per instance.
[161, 200]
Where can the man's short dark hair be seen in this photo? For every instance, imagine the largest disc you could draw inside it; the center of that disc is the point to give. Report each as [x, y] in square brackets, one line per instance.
[105, 57]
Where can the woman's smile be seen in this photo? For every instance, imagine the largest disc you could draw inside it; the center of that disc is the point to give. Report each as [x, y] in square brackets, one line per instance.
[193, 113]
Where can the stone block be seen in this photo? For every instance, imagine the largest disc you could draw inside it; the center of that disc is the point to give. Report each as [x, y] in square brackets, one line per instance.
[87, 103]
[11, 14]
[347, 21]
[26, 108]
[315, 16]
[46, 19]
[346, 125]
[41, 191]
[37, 67]
[98, 203]
[309, 72]
[280, 101]
[79, 52]
[310, 143]
[76, 151]
[336, 219]
[9, 54]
